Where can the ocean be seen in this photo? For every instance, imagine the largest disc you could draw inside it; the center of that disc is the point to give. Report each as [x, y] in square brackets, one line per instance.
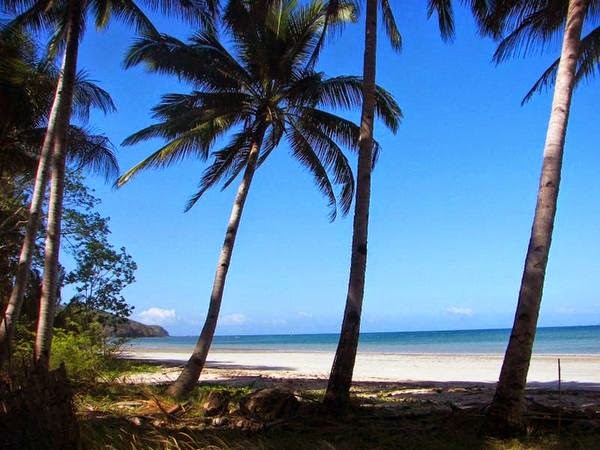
[581, 340]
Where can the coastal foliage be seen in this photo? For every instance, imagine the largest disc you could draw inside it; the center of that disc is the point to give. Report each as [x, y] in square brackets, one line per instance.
[101, 272]
[524, 26]
[66, 20]
[265, 91]
[254, 88]
[81, 342]
[340, 379]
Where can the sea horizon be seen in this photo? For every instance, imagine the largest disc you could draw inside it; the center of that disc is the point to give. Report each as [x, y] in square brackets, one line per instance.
[567, 340]
[379, 332]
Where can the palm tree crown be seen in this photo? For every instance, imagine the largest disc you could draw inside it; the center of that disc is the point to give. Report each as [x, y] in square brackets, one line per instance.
[528, 26]
[53, 15]
[263, 90]
[265, 86]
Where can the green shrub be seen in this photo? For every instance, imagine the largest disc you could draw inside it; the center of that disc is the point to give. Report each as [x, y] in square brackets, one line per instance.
[83, 354]
[87, 354]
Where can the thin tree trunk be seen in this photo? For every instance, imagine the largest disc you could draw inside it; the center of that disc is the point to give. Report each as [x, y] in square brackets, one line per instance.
[505, 412]
[43, 338]
[192, 370]
[340, 379]
[58, 123]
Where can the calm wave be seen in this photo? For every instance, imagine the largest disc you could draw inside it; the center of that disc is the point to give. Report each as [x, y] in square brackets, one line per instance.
[551, 340]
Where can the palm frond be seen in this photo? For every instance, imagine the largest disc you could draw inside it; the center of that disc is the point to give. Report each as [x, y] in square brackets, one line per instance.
[533, 30]
[195, 142]
[547, 79]
[445, 14]
[200, 12]
[92, 152]
[589, 56]
[305, 154]
[264, 82]
[390, 26]
[87, 95]
[337, 14]
[346, 92]
[203, 63]
[341, 130]
[587, 65]
[227, 162]
[337, 128]
[333, 159]
[126, 11]
[29, 14]
[271, 141]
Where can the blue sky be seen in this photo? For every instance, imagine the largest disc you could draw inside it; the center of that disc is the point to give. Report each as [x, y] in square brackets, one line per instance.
[453, 197]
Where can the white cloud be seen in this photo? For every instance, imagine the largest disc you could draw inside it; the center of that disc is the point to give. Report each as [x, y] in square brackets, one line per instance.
[459, 311]
[233, 319]
[304, 315]
[158, 316]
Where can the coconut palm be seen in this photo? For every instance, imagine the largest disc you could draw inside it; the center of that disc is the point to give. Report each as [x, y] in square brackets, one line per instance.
[265, 90]
[27, 83]
[524, 25]
[67, 20]
[27, 90]
[92, 152]
[340, 378]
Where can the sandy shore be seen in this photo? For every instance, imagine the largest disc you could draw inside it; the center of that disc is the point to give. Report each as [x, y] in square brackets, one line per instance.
[577, 370]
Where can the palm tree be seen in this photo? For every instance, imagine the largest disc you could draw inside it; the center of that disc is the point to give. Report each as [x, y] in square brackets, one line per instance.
[266, 89]
[529, 23]
[340, 378]
[67, 20]
[27, 84]
[87, 151]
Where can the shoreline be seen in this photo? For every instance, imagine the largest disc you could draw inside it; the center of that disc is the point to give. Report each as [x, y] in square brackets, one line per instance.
[582, 369]
[218, 350]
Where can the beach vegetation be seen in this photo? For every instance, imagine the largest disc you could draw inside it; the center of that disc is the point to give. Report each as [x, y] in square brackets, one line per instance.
[99, 275]
[66, 20]
[522, 27]
[117, 416]
[340, 378]
[253, 88]
[266, 90]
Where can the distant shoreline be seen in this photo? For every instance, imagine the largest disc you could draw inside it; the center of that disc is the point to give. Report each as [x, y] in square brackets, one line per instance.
[236, 335]
[562, 341]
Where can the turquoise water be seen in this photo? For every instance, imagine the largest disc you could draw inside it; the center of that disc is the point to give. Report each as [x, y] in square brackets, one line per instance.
[551, 340]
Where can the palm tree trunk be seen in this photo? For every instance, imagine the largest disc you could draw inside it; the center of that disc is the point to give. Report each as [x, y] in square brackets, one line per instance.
[50, 284]
[192, 370]
[58, 123]
[340, 379]
[50, 287]
[505, 412]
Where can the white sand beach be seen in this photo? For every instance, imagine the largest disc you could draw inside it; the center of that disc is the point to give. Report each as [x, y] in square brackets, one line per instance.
[578, 370]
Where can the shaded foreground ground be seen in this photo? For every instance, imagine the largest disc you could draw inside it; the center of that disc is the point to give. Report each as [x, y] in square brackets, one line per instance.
[384, 415]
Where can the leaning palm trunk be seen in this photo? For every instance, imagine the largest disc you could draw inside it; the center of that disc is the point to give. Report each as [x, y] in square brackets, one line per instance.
[340, 379]
[56, 133]
[505, 412]
[192, 370]
[43, 338]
